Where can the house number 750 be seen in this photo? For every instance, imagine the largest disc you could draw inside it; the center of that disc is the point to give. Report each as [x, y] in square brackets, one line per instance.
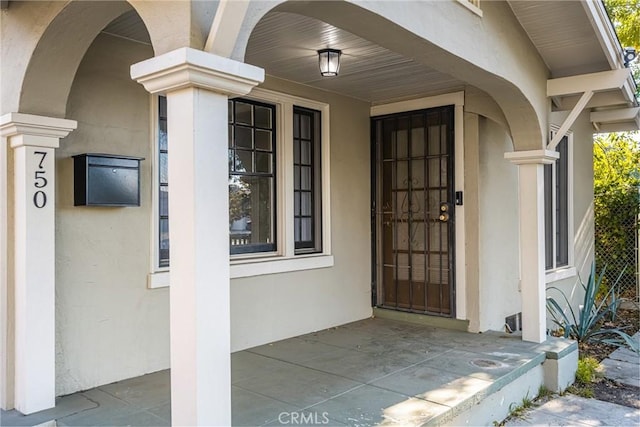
[40, 182]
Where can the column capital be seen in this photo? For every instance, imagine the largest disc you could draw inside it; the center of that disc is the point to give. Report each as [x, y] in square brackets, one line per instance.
[40, 131]
[544, 157]
[187, 67]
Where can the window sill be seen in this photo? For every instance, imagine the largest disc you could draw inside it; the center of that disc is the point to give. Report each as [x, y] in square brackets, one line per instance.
[158, 279]
[256, 267]
[560, 274]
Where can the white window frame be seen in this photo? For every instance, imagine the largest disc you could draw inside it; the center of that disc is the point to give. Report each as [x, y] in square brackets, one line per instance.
[284, 258]
[556, 273]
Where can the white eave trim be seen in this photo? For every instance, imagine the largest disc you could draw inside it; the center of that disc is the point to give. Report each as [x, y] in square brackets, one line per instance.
[587, 85]
[594, 82]
[617, 115]
[616, 120]
[609, 40]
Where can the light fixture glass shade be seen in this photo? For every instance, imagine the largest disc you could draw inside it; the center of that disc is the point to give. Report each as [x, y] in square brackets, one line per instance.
[329, 61]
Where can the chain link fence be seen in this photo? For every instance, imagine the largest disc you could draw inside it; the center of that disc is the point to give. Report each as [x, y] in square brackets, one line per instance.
[617, 237]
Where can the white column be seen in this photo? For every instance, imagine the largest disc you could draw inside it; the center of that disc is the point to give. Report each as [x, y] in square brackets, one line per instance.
[6, 379]
[532, 236]
[197, 85]
[34, 139]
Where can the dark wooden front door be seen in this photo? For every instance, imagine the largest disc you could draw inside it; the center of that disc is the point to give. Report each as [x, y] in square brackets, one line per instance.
[413, 205]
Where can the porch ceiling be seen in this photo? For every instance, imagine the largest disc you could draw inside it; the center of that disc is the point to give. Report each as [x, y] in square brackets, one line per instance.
[285, 45]
[563, 35]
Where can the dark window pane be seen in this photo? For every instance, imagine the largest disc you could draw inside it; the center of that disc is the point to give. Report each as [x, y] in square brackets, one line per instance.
[244, 161]
[296, 151]
[296, 177]
[164, 242]
[162, 135]
[305, 202]
[305, 235]
[164, 201]
[263, 162]
[230, 136]
[305, 178]
[263, 140]
[305, 126]
[163, 161]
[232, 162]
[162, 107]
[296, 229]
[243, 137]
[305, 152]
[263, 117]
[243, 113]
[548, 216]
[296, 203]
[230, 108]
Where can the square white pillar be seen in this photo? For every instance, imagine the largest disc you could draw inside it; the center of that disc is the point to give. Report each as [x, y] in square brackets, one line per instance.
[532, 240]
[197, 85]
[34, 139]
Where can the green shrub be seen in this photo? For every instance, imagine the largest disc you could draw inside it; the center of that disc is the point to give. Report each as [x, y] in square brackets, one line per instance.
[586, 324]
[587, 370]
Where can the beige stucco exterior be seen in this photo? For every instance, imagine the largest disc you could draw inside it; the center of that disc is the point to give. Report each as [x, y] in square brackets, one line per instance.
[112, 323]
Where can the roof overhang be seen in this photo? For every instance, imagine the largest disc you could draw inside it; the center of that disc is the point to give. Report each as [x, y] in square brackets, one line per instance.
[585, 61]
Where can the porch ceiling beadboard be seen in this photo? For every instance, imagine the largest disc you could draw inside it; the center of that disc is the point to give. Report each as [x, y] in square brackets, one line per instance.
[563, 34]
[285, 45]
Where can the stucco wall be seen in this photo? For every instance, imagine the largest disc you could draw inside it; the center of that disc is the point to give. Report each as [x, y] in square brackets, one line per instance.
[109, 326]
[583, 224]
[498, 228]
[273, 307]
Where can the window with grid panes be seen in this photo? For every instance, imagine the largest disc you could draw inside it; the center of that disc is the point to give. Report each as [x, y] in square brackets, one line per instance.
[306, 181]
[556, 209]
[252, 177]
[163, 185]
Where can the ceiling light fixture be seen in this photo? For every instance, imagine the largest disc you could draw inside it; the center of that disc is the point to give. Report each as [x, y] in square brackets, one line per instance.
[329, 61]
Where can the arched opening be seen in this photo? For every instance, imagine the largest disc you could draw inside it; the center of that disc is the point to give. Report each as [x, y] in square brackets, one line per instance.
[425, 55]
[109, 325]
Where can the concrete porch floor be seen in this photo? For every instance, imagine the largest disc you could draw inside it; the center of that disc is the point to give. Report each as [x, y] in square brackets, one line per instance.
[371, 372]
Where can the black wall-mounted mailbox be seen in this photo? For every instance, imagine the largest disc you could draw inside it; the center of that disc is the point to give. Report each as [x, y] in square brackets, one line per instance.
[106, 180]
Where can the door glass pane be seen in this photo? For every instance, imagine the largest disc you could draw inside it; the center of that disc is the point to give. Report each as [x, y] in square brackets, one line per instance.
[434, 140]
[402, 141]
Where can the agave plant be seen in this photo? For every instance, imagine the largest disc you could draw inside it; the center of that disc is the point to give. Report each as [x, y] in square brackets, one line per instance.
[587, 324]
